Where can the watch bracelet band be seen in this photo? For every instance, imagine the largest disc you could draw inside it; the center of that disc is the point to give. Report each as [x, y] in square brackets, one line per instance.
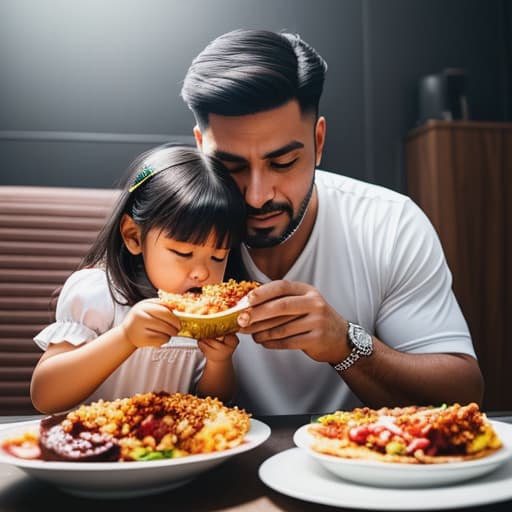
[354, 331]
[347, 362]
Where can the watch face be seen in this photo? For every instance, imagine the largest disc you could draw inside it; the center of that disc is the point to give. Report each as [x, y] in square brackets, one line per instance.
[361, 339]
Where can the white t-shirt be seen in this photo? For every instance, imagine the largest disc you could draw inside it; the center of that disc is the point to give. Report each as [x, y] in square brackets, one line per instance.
[375, 257]
[85, 309]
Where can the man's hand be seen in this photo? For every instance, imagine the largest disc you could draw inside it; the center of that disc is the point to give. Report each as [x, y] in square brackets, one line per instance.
[149, 324]
[294, 315]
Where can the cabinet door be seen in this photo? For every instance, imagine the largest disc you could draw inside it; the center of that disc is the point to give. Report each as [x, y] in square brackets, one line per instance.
[507, 277]
[456, 174]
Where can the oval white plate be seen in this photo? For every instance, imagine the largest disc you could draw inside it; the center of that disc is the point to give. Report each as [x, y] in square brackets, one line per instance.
[388, 474]
[125, 479]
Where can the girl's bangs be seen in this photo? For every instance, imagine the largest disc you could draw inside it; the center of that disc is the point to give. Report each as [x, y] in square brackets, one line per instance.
[197, 225]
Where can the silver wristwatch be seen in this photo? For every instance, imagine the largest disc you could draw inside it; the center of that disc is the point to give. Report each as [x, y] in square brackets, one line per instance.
[361, 343]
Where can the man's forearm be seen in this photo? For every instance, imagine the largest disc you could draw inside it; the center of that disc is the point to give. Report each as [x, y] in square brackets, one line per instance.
[392, 378]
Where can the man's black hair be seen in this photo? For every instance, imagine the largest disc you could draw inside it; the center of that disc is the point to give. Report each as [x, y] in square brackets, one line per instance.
[250, 71]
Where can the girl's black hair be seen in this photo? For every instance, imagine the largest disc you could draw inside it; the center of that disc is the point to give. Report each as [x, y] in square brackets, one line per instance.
[248, 71]
[188, 196]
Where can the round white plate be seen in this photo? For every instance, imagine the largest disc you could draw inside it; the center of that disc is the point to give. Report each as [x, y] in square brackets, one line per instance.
[294, 473]
[391, 474]
[125, 479]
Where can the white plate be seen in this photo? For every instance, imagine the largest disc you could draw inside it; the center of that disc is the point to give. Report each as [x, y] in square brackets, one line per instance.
[125, 479]
[392, 474]
[295, 474]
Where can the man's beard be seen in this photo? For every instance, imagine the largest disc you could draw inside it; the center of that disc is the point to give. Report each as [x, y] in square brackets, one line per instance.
[263, 239]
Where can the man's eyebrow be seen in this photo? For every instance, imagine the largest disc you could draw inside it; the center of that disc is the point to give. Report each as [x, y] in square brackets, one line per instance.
[294, 144]
[230, 157]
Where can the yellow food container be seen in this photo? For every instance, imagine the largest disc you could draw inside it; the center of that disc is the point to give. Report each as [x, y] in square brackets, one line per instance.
[211, 326]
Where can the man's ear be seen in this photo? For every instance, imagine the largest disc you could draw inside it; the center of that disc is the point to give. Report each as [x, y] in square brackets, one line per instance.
[199, 137]
[130, 232]
[319, 138]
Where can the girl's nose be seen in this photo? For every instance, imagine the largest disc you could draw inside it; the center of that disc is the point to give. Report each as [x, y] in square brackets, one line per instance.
[199, 273]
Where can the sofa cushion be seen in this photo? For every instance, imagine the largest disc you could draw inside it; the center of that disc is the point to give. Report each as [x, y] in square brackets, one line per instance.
[44, 232]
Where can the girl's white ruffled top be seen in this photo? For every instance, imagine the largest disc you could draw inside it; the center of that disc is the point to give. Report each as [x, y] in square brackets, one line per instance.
[85, 309]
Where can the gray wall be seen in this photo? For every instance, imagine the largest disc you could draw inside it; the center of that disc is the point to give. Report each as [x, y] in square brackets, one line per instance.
[85, 85]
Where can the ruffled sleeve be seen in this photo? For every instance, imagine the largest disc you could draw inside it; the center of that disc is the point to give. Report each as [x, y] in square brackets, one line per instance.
[85, 310]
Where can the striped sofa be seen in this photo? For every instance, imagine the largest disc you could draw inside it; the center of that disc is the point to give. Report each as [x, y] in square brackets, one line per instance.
[44, 232]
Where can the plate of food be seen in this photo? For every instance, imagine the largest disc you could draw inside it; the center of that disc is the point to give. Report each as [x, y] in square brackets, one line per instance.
[407, 447]
[294, 473]
[134, 446]
[210, 311]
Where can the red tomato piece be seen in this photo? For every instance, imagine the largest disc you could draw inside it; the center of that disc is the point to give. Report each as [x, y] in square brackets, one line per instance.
[24, 450]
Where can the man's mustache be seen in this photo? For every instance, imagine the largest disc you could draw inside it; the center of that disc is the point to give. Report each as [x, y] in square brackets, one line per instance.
[269, 207]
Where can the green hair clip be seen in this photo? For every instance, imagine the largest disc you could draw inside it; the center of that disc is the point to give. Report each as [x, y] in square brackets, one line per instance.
[143, 175]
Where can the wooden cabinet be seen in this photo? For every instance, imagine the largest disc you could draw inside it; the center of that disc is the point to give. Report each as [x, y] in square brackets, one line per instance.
[460, 173]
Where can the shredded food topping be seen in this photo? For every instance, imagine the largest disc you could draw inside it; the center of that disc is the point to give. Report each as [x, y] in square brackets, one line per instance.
[410, 434]
[213, 298]
[143, 427]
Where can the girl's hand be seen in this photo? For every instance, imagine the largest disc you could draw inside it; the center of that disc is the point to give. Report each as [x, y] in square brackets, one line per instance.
[149, 324]
[218, 350]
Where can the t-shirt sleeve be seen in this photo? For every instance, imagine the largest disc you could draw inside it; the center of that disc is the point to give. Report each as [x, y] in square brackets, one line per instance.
[85, 310]
[420, 312]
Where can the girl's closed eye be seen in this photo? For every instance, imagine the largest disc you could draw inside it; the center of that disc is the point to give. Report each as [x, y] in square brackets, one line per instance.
[190, 254]
[182, 254]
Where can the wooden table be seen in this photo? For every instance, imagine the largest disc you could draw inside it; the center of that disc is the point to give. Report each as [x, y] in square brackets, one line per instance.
[232, 486]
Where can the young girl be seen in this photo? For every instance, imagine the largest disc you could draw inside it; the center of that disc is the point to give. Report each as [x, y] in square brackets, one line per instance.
[172, 229]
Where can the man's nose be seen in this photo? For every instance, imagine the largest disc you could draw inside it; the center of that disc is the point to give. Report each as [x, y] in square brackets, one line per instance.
[258, 190]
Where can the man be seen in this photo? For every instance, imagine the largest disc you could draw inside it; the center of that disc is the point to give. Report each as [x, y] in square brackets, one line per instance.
[357, 305]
